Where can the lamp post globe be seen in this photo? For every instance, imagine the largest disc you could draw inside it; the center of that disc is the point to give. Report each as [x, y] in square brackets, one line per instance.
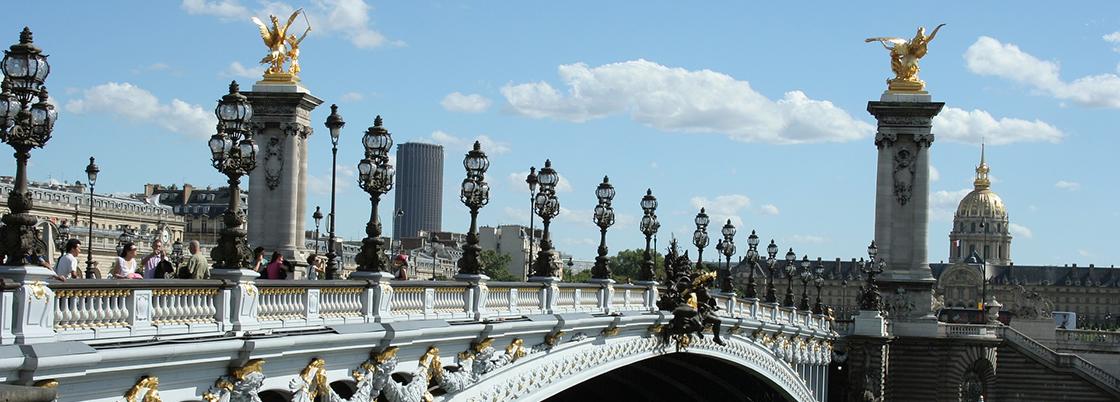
[234, 154]
[91, 175]
[604, 218]
[547, 207]
[177, 253]
[63, 235]
[752, 264]
[818, 281]
[728, 232]
[648, 226]
[318, 217]
[26, 122]
[475, 194]
[532, 181]
[700, 238]
[334, 124]
[375, 176]
[772, 267]
[806, 277]
[791, 270]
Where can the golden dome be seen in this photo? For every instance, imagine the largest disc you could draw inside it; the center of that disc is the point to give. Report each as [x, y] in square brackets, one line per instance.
[982, 202]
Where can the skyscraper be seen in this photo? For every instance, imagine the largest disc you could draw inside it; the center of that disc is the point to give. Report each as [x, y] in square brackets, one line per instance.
[419, 189]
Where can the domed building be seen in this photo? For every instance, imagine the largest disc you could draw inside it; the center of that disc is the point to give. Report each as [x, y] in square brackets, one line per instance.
[980, 223]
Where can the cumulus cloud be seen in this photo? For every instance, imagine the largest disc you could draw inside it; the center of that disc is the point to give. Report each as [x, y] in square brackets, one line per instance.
[351, 97]
[943, 204]
[978, 126]
[1019, 231]
[934, 174]
[987, 56]
[1068, 185]
[321, 185]
[138, 106]
[675, 99]
[349, 19]
[767, 210]
[236, 69]
[453, 143]
[473, 103]
[517, 181]
[722, 208]
[1085, 253]
[1113, 38]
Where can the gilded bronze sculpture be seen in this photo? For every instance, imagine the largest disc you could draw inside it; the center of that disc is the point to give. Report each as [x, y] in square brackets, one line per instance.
[904, 59]
[282, 47]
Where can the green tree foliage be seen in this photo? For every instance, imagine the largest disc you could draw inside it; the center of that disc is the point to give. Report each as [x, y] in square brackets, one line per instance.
[627, 263]
[581, 277]
[497, 266]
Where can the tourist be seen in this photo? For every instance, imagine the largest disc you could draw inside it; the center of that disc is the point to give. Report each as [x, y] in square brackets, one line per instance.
[258, 260]
[151, 261]
[124, 267]
[316, 267]
[197, 265]
[400, 267]
[276, 268]
[67, 266]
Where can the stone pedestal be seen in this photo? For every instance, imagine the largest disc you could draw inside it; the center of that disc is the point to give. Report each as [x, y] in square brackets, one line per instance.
[870, 323]
[606, 293]
[377, 301]
[244, 298]
[550, 292]
[32, 304]
[476, 295]
[278, 186]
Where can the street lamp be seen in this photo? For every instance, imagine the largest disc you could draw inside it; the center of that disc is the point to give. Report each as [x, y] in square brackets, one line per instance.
[752, 263]
[475, 194]
[772, 266]
[791, 270]
[318, 217]
[532, 181]
[728, 232]
[375, 176]
[700, 238]
[335, 124]
[870, 299]
[649, 228]
[177, 254]
[547, 207]
[125, 237]
[806, 277]
[818, 308]
[63, 236]
[26, 121]
[91, 175]
[234, 154]
[604, 218]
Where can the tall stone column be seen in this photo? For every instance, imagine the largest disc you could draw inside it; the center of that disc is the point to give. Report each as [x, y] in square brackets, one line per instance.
[902, 200]
[278, 186]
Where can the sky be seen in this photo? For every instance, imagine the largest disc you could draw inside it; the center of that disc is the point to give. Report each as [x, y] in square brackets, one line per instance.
[755, 112]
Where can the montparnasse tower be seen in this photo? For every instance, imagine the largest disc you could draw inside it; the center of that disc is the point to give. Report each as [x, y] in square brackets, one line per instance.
[980, 223]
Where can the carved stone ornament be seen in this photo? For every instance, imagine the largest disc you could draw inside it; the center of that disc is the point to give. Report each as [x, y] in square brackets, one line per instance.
[900, 304]
[904, 175]
[905, 120]
[144, 391]
[273, 162]
[241, 385]
[885, 140]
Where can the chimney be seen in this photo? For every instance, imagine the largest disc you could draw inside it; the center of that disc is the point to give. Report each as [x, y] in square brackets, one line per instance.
[187, 190]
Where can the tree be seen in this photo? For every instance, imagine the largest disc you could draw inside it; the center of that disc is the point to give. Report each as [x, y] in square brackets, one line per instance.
[497, 266]
[580, 277]
[628, 263]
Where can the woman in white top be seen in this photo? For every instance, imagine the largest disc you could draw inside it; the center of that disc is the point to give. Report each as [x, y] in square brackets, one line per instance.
[124, 267]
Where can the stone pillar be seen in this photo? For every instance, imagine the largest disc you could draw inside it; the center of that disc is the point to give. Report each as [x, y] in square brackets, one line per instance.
[243, 300]
[902, 199]
[277, 187]
[33, 305]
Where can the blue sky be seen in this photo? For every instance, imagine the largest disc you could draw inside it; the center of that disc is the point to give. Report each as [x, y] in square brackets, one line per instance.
[755, 112]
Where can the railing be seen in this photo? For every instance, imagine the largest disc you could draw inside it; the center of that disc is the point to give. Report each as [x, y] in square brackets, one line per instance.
[1094, 340]
[113, 311]
[1050, 357]
[966, 330]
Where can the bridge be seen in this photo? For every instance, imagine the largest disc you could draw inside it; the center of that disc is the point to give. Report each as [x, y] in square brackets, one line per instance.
[238, 338]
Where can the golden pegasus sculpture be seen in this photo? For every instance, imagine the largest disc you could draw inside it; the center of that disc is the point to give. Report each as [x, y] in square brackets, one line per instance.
[282, 47]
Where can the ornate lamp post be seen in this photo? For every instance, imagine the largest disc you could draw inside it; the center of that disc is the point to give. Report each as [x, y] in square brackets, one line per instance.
[818, 308]
[604, 218]
[26, 121]
[772, 267]
[752, 263]
[91, 175]
[475, 194]
[177, 254]
[791, 271]
[375, 176]
[806, 277]
[700, 238]
[649, 226]
[728, 232]
[532, 181]
[335, 124]
[318, 217]
[63, 236]
[234, 154]
[547, 207]
[871, 299]
[125, 237]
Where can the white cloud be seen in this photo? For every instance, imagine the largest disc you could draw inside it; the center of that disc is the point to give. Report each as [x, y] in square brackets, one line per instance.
[351, 97]
[517, 181]
[582, 217]
[140, 107]
[349, 19]
[934, 174]
[654, 165]
[943, 204]
[990, 57]
[236, 69]
[807, 239]
[1071, 186]
[1113, 38]
[516, 214]
[473, 103]
[1033, 208]
[345, 175]
[767, 210]
[978, 126]
[151, 67]
[721, 209]
[675, 99]
[453, 143]
[1085, 253]
[1021, 232]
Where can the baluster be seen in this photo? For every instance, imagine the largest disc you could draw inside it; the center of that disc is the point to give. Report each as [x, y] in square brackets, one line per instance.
[122, 303]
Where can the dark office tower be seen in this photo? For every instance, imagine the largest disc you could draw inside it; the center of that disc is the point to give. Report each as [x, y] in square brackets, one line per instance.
[419, 189]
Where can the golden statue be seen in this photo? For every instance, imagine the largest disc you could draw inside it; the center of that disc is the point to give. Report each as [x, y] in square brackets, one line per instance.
[904, 60]
[282, 47]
